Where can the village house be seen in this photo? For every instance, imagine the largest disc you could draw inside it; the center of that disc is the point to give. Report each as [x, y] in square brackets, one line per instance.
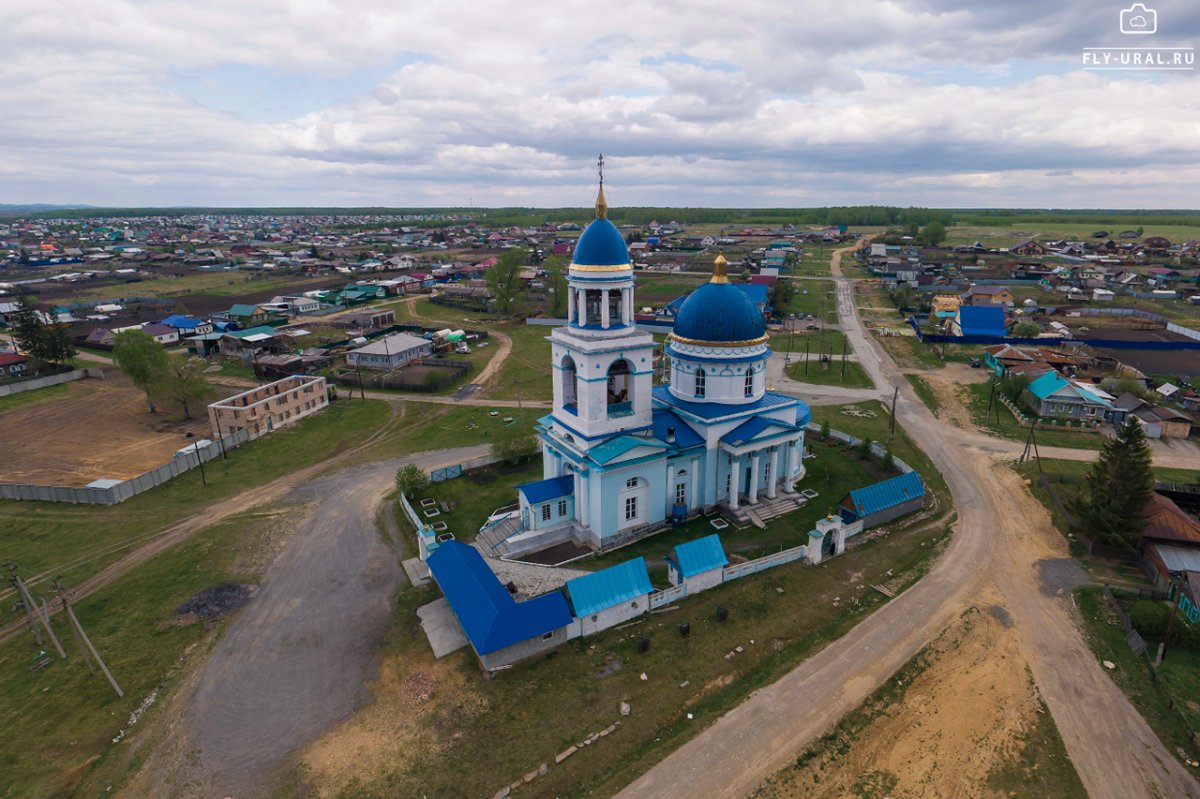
[1171, 542]
[390, 352]
[367, 320]
[978, 320]
[12, 364]
[163, 334]
[246, 315]
[1029, 247]
[988, 295]
[1055, 396]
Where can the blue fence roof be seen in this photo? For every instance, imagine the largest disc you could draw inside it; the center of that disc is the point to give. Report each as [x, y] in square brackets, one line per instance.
[615, 585]
[981, 320]
[548, 489]
[887, 494]
[700, 555]
[489, 615]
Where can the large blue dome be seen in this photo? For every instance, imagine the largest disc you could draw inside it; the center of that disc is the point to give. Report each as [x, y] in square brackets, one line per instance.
[720, 313]
[601, 244]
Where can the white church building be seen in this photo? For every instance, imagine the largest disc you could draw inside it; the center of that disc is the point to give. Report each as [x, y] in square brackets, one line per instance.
[623, 457]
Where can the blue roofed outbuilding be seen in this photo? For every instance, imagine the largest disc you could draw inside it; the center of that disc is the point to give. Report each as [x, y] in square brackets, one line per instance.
[697, 564]
[501, 630]
[617, 585]
[980, 320]
[883, 501]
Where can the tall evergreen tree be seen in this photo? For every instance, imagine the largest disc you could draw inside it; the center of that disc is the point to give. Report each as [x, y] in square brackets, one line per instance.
[29, 330]
[1111, 505]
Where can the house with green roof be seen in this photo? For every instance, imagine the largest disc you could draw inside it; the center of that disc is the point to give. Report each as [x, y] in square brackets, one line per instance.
[1055, 396]
[247, 315]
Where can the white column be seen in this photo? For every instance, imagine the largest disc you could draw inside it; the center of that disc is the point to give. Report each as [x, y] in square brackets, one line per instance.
[570, 305]
[583, 496]
[773, 480]
[670, 490]
[735, 470]
[582, 320]
[793, 455]
[604, 309]
[752, 489]
[578, 498]
[627, 296]
[693, 497]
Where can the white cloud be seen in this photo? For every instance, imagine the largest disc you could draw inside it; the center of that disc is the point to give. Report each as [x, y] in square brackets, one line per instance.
[694, 102]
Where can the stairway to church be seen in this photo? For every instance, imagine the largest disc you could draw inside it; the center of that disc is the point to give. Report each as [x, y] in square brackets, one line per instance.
[491, 539]
[767, 509]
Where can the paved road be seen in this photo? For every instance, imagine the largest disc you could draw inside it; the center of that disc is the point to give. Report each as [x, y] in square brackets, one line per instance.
[1000, 537]
[293, 662]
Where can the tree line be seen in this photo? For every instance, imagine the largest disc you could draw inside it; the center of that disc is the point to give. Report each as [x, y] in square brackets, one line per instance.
[46, 342]
[162, 376]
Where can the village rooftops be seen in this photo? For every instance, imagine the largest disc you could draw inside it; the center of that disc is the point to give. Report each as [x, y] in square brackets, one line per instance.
[1166, 522]
[390, 345]
[489, 615]
[615, 585]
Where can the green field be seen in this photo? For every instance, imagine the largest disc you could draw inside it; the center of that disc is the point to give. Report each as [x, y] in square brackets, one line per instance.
[830, 373]
[816, 298]
[924, 393]
[28, 398]
[998, 236]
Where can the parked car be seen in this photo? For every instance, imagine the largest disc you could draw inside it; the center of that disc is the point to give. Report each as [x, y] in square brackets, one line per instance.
[975, 363]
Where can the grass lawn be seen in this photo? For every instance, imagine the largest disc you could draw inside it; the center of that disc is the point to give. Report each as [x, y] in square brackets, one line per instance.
[36, 397]
[541, 707]
[1179, 673]
[1003, 424]
[472, 498]
[876, 429]
[57, 725]
[819, 301]
[527, 372]
[925, 393]
[75, 541]
[815, 342]
[232, 367]
[659, 288]
[831, 373]
[432, 426]
[1106, 637]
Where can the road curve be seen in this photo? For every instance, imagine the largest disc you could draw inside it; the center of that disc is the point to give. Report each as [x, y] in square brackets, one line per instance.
[1114, 751]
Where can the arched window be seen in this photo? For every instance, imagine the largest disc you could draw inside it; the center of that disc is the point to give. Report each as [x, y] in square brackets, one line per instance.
[567, 375]
[699, 382]
[620, 389]
[749, 383]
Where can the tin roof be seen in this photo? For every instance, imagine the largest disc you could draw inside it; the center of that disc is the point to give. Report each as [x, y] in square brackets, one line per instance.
[701, 555]
[887, 494]
[615, 585]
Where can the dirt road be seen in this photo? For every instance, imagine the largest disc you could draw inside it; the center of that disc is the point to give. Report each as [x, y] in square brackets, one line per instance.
[294, 661]
[1001, 538]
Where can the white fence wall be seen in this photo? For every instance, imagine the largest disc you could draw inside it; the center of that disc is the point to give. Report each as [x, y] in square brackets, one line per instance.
[128, 488]
[739, 570]
[50, 380]
[668, 595]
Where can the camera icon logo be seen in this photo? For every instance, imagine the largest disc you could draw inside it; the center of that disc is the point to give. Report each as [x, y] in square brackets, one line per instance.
[1138, 20]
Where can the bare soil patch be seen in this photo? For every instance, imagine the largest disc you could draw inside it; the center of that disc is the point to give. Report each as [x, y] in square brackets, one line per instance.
[959, 714]
[100, 428]
[950, 405]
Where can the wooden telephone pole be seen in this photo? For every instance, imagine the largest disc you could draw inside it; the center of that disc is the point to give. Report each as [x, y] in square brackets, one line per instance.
[37, 614]
[85, 643]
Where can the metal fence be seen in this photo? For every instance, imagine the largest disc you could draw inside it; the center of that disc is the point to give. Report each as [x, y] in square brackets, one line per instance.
[738, 570]
[125, 489]
[49, 380]
[458, 470]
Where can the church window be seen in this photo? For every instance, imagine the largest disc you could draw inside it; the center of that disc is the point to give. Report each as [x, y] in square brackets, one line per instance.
[699, 382]
[546, 512]
[749, 384]
[562, 507]
[681, 494]
[728, 482]
[631, 482]
[631, 508]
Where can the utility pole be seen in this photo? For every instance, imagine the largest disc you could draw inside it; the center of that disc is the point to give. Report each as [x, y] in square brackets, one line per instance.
[892, 426]
[807, 342]
[1162, 650]
[82, 636]
[199, 460]
[842, 379]
[991, 400]
[1031, 448]
[36, 612]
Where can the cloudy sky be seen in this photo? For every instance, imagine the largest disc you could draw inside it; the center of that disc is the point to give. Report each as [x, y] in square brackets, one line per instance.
[693, 102]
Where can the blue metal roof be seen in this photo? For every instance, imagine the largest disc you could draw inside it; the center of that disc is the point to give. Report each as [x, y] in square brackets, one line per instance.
[749, 429]
[716, 410]
[803, 414]
[601, 244]
[489, 615]
[887, 494]
[182, 322]
[548, 489]
[685, 436]
[1052, 382]
[719, 312]
[700, 555]
[615, 585]
[614, 448]
[981, 320]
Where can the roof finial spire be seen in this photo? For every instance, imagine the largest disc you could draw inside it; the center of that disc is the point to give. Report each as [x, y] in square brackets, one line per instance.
[601, 203]
[719, 275]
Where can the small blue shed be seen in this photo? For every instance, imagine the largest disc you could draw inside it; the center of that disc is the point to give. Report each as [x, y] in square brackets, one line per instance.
[883, 501]
[697, 564]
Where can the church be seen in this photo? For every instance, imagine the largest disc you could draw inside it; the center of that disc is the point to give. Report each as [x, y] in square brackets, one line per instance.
[623, 457]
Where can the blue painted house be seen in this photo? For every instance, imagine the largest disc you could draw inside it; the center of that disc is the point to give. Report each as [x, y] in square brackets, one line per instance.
[502, 631]
[610, 596]
[1055, 396]
[883, 501]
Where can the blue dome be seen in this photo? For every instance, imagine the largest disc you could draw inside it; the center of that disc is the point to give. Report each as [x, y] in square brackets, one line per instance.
[601, 244]
[719, 312]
